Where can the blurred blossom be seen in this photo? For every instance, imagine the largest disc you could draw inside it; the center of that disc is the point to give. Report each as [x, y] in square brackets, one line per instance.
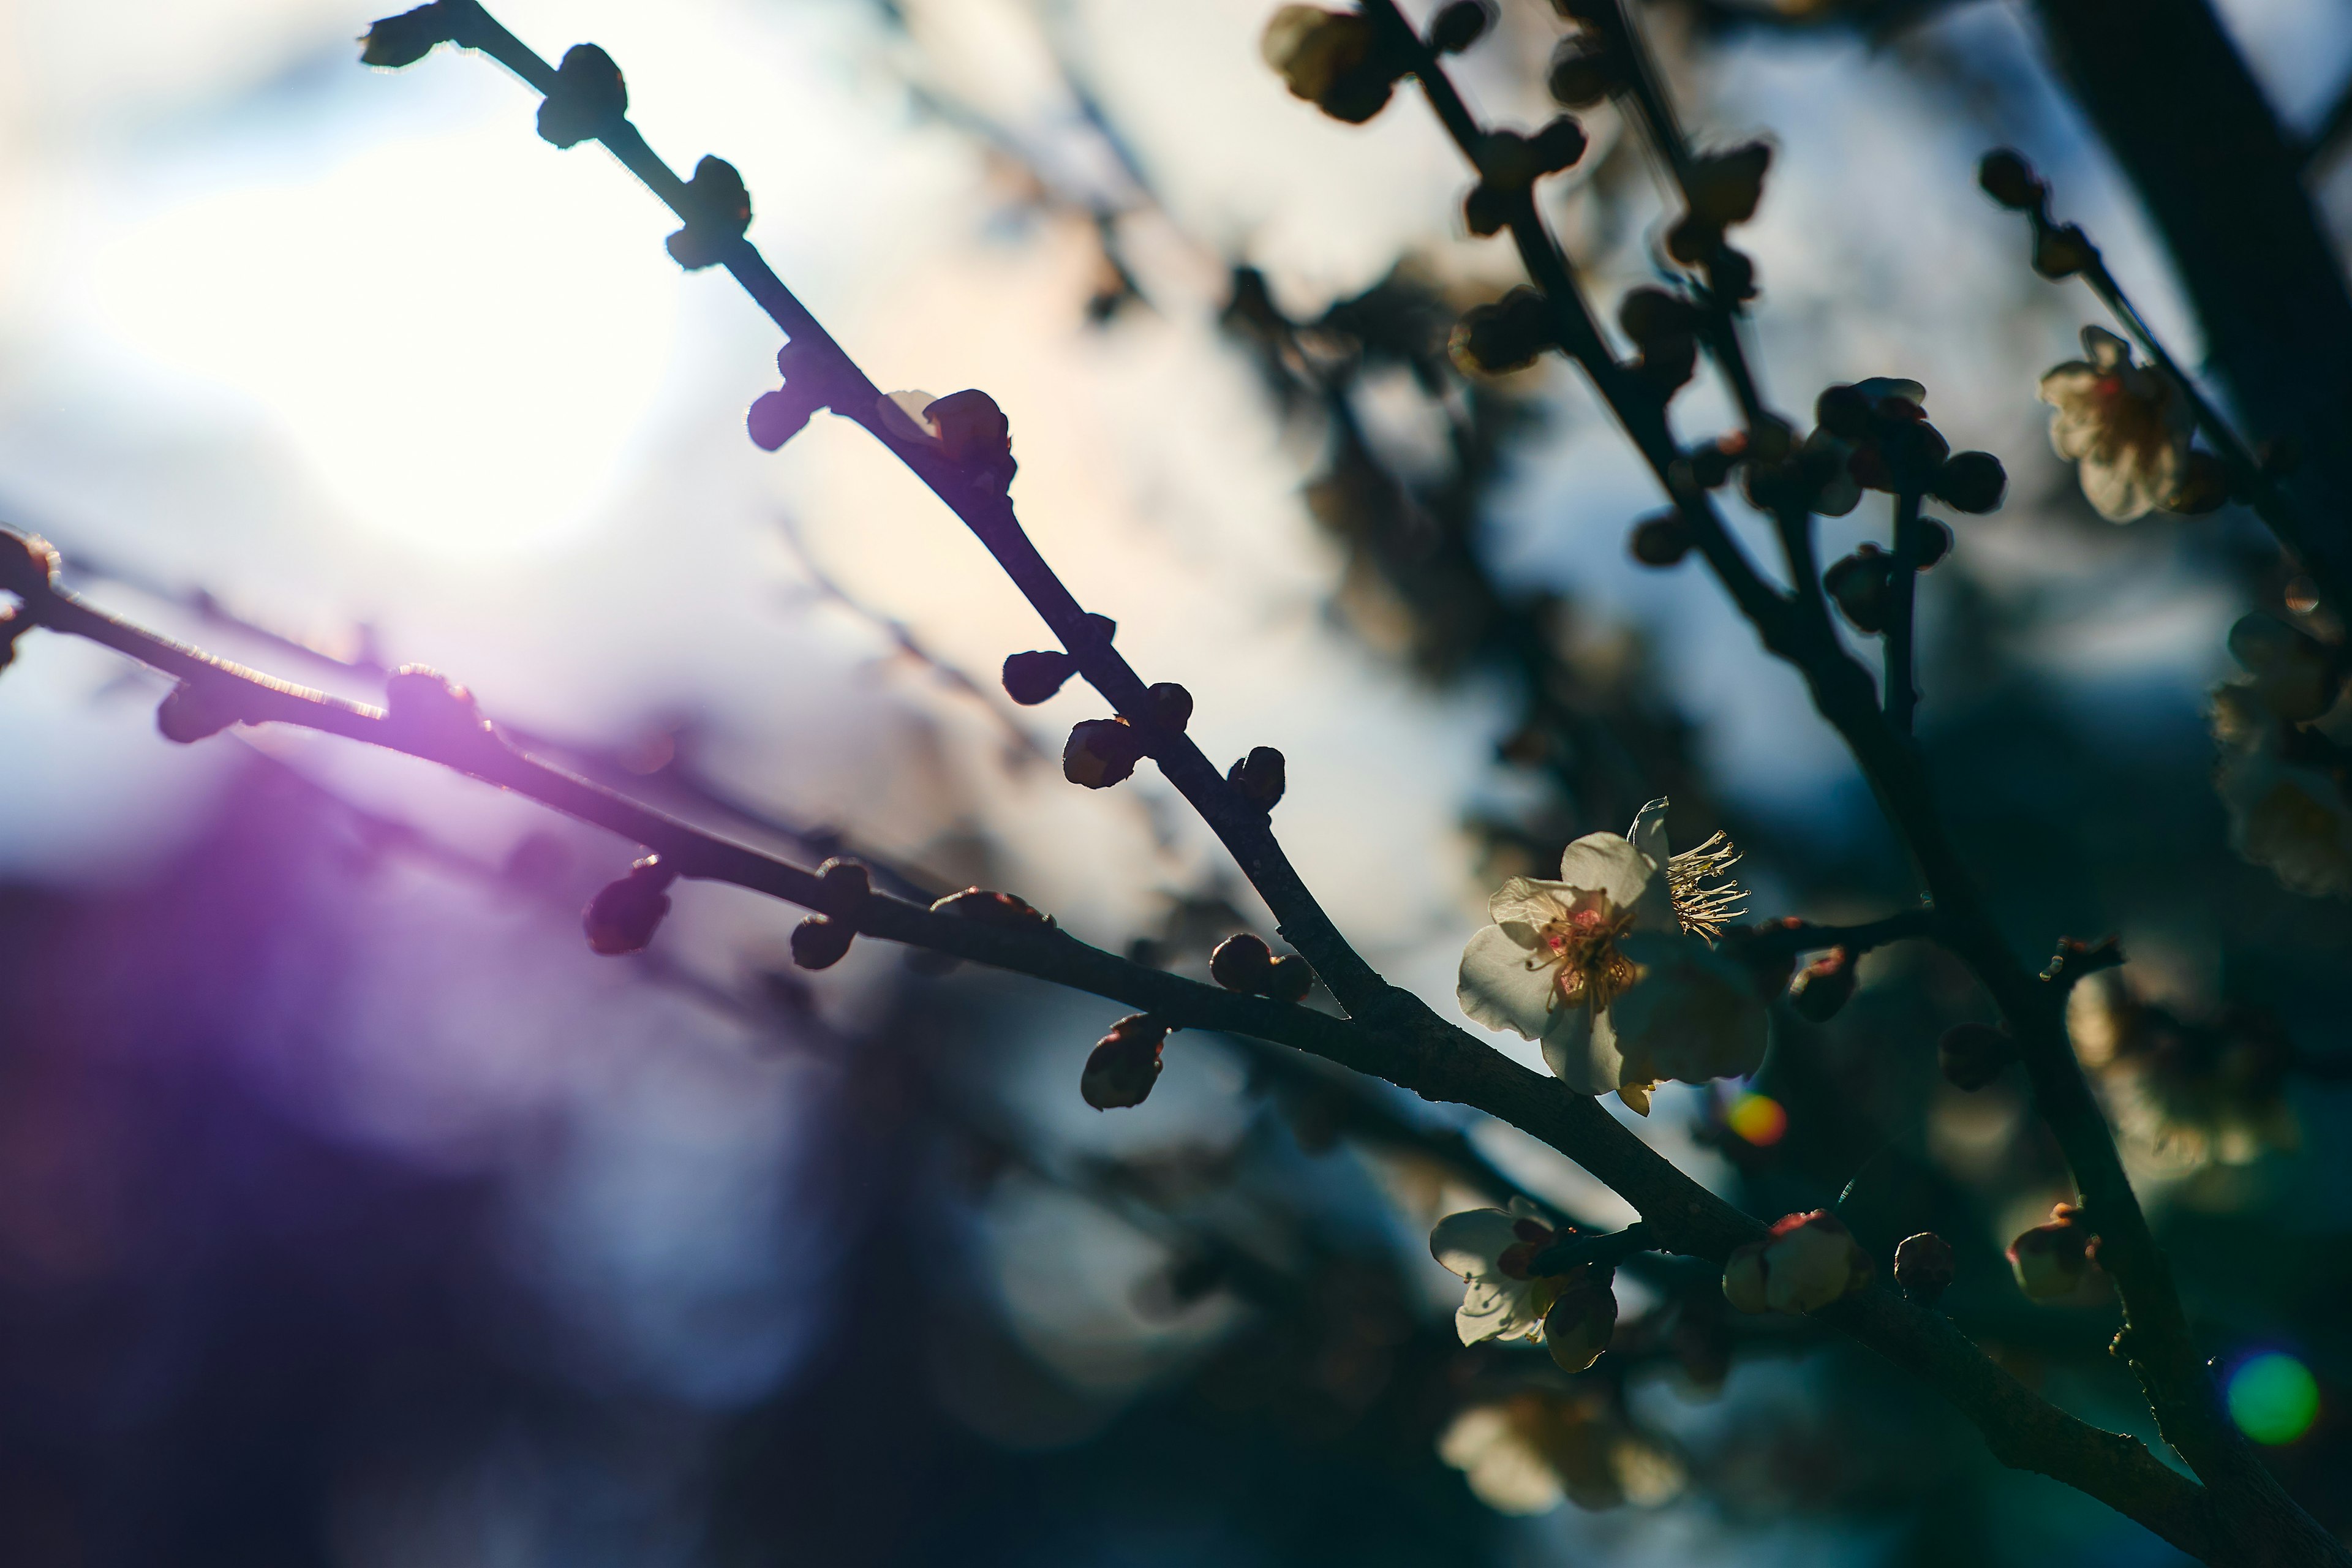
[1526, 1453]
[2186, 1093]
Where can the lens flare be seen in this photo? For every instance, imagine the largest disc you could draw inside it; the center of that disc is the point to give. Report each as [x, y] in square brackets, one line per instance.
[1760, 1119]
[2273, 1398]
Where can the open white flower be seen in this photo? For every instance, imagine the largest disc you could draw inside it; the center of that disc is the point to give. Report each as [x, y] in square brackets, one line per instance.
[1523, 1453]
[2126, 426]
[1491, 1249]
[1562, 956]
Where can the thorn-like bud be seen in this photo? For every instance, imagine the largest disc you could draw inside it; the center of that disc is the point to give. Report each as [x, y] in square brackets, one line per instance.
[1506, 336]
[1582, 76]
[2008, 179]
[1124, 1064]
[718, 211]
[1171, 704]
[1971, 482]
[1032, 677]
[991, 908]
[843, 885]
[624, 914]
[2054, 1260]
[193, 711]
[1459, 26]
[1261, 777]
[1863, 584]
[821, 941]
[393, 42]
[588, 99]
[1934, 542]
[2204, 487]
[1290, 979]
[1661, 540]
[1241, 962]
[2062, 251]
[1922, 1266]
[29, 565]
[1823, 987]
[1101, 752]
[1972, 1056]
[1582, 1319]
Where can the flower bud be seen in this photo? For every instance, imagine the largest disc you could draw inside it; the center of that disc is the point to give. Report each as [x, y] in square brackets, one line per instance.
[1724, 187]
[1506, 336]
[430, 706]
[589, 96]
[2009, 180]
[1582, 76]
[1032, 677]
[1934, 542]
[623, 915]
[1863, 584]
[2294, 675]
[843, 885]
[1582, 1319]
[970, 426]
[1334, 61]
[1823, 986]
[1290, 979]
[1652, 316]
[29, 565]
[2203, 486]
[1666, 368]
[1693, 239]
[1558, 145]
[1972, 1056]
[1260, 776]
[2054, 1259]
[1922, 1266]
[1732, 273]
[402, 40]
[1170, 705]
[2061, 252]
[193, 711]
[718, 211]
[991, 907]
[1485, 210]
[1808, 1261]
[1241, 962]
[775, 418]
[1101, 752]
[1971, 482]
[1662, 540]
[1843, 411]
[821, 941]
[1459, 26]
[1124, 1064]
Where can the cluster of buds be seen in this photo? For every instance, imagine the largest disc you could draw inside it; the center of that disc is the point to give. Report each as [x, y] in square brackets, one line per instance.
[2055, 1259]
[588, 99]
[1922, 1266]
[2294, 675]
[623, 915]
[2060, 250]
[1510, 164]
[823, 939]
[775, 418]
[1124, 1064]
[1244, 964]
[1509, 335]
[717, 208]
[1879, 428]
[1723, 189]
[1345, 64]
[1665, 327]
[1808, 1261]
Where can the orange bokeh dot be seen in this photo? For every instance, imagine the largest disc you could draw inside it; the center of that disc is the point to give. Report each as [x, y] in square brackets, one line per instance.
[1759, 1118]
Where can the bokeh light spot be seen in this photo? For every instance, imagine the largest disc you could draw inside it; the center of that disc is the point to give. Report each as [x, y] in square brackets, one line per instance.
[1760, 1119]
[2273, 1398]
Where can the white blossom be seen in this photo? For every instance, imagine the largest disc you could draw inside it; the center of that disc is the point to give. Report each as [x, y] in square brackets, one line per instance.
[2126, 426]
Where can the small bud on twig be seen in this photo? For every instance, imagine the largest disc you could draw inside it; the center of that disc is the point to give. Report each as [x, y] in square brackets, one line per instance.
[1241, 962]
[1172, 705]
[1124, 1064]
[2204, 486]
[1032, 677]
[393, 42]
[1662, 540]
[843, 885]
[1972, 1056]
[1260, 776]
[1582, 1319]
[991, 908]
[1934, 542]
[29, 565]
[718, 211]
[588, 97]
[2061, 251]
[2054, 1260]
[1823, 986]
[1459, 26]
[775, 418]
[1582, 76]
[432, 708]
[1506, 336]
[623, 915]
[1863, 584]
[195, 711]
[821, 941]
[1101, 752]
[2008, 179]
[1290, 979]
[1971, 482]
[1922, 1266]
[1336, 60]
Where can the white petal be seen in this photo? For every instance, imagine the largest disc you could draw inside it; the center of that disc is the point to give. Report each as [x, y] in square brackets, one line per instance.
[1581, 1048]
[2115, 489]
[1692, 1015]
[1500, 987]
[1604, 863]
[1469, 1243]
[1497, 1309]
[1526, 902]
[2105, 350]
[1648, 833]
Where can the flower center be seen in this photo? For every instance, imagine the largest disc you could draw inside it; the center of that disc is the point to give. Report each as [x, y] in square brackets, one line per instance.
[1581, 948]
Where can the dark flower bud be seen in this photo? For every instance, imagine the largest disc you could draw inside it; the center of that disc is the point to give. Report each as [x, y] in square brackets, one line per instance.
[1971, 482]
[971, 427]
[1032, 677]
[1334, 61]
[1724, 187]
[1558, 145]
[1711, 462]
[1693, 239]
[2009, 180]
[1769, 964]
[843, 885]
[402, 40]
[2204, 486]
[1241, 962]
[1666, 367]
[1654, 316]
[1170, 705]
[1972, 1056]
[1662, 540]
[1101, 752]
[991, 908]
[1863, 584]
[193, 711]
[1582, 76]
[1582, 1319]
[1734, 275]
[2060, 252]
[1907, 453]
[1507, 335]
[775, 418]
[1290, 979]
[431, 706]
[820, 942]
[29, 565]
[1934, 542]
[588, 97]
[1485, 210]
[1124, 1064]
[1843, 411]
[1922, 1266]
[1823, 986]
[718, 211]
[2054, 1260]
[623, 915]
[1260, 776]
[2294, 675]
[1459, 26]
